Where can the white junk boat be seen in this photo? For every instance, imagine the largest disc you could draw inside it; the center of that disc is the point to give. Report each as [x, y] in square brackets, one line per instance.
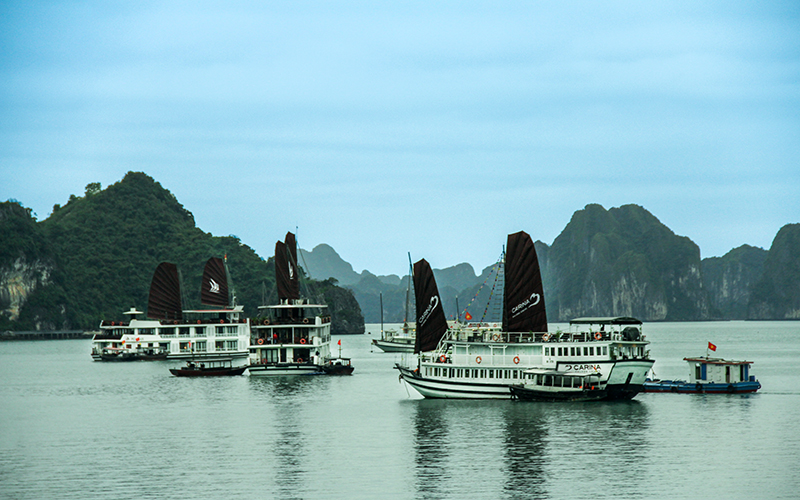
[180, 334]
[404, 340]
[292, 338]
[462, 361]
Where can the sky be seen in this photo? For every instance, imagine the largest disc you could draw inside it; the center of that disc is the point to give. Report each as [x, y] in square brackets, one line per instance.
[435, 128]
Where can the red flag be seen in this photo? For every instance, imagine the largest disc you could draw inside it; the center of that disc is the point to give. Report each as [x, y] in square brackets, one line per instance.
[712, 346]
[340, 342]
[467, 316]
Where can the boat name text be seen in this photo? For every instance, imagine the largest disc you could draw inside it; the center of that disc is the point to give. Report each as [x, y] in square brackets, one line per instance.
[529, 302]
[581, 368]
[424, 317]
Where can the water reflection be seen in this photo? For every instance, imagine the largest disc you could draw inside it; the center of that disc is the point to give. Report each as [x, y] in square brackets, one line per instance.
[431, 446]
[282, 434]
[525, 449]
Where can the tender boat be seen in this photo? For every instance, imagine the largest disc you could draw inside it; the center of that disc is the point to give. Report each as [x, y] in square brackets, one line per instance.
[119, 354]
[208, 368]
[174, 333]
[710, 375]
[478, 361]
[294, 336]
[554, 385]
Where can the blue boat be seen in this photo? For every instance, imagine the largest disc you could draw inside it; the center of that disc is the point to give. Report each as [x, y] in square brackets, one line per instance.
[710, 375]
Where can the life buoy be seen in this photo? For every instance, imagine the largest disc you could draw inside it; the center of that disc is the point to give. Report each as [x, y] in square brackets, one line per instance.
[302, 341]
[305, 320]
[222, 321]
[299, 360]
[598, 336]
[516, 360]
[731, 389]
[478, 360]
[112, 323]
[698, 387]
[545, 337]
[496, 337]
[198, 321]
[260, 341]
[442, 358]
[266, 321]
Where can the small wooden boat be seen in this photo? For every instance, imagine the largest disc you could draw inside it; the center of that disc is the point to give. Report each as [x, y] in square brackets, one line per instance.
[208, 368]
[338, 366]
[554, 385]
[710, 375]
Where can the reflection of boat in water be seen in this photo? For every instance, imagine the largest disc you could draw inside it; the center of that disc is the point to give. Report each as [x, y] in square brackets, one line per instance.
[292, 337]
[710, 375]
[208, 368]
[553, 385]
[392, 340]
[174, 332]
[466, 361]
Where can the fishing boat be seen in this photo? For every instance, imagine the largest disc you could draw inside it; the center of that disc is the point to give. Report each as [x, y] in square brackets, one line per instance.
[208, 368]
[292, 337]
[710, 375]
[554, 385]
[476, 361]
[169, 331]
[403, 341]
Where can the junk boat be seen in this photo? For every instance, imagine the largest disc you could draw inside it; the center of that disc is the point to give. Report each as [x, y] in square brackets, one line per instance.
[475, 361]
[404, 340]
[208, 368]
[554, 385]
[294, 336]
[176, 333]
[710, 375]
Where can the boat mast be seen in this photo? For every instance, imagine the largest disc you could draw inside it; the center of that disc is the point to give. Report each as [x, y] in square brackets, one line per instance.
[380, 295]
[408, 294]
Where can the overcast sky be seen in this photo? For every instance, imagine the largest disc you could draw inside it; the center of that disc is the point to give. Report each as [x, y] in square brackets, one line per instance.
[435, 128]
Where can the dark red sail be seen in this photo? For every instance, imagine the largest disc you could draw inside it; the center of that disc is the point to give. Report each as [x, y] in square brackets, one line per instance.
[523, 300]
[165, 293]
[286, 276]
[214, 289]
[431, 321]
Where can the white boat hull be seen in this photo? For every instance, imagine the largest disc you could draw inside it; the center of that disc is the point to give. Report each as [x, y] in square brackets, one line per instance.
[389, 346]
[283, 369]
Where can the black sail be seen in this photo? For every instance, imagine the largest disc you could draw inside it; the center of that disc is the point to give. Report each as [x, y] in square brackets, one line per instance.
[214, 289]
[286, 270]
[523, 300]
[164, 301]
[431, 321]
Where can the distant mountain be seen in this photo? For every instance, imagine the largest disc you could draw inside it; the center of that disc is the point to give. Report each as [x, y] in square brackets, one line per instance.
[623, 262]
[101, 250]
[729, 279]
[776, 295]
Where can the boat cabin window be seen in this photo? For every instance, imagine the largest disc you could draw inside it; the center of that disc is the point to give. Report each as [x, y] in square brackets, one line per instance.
[147, 331]
[200, 331]
[697, 372]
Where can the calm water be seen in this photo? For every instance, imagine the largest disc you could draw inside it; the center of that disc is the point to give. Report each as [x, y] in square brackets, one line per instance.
[74, 428]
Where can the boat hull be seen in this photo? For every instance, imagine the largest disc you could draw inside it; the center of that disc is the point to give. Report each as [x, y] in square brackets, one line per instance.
[683, 387]
[527, 394]
[208, 372]
[284, 369]
[451, 389]
[388, 346]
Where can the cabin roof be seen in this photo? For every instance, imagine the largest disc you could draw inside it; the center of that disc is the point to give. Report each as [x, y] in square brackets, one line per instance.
[236, 309]
[716, 361]
[612, 320]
